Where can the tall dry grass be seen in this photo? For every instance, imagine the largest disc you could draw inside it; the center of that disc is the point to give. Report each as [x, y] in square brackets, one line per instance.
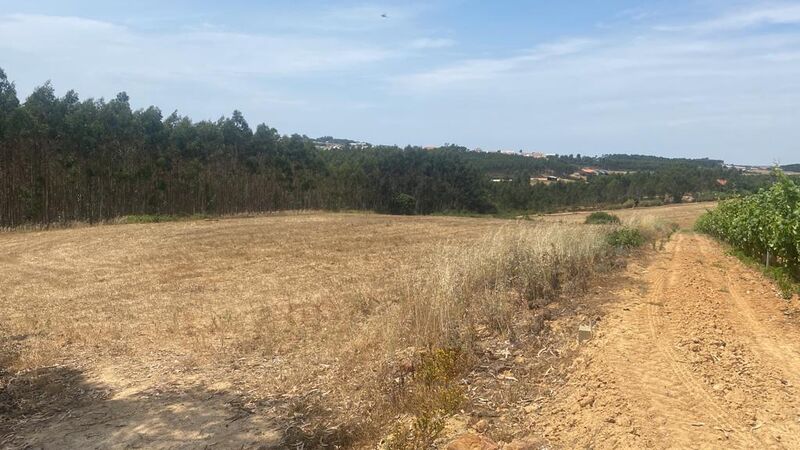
[654, 230]
[482, 287]
[474, 292]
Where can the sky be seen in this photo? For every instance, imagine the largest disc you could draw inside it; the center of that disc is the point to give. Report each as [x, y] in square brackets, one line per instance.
[680, 78]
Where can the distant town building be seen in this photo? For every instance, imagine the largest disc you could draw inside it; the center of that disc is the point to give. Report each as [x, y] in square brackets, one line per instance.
[327, 146]
[538, 155]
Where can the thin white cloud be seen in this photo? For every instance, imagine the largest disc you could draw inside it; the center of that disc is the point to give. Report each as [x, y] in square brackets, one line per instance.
[488, 68]
[359, 18]
[710, 93]
[196, 54]
[431, 43]
[758, 16]
[670, 51]
[370, 14]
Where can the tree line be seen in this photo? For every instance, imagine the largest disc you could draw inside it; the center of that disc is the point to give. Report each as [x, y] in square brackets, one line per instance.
[666, 185]
[65, 159]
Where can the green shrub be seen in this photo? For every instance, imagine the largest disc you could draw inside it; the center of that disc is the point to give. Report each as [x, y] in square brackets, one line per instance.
[403, 204]
[434, 393]
[625, 238]
[157, 218]
[651, 202]
[765, 223]
[149, 218]
[602, 218]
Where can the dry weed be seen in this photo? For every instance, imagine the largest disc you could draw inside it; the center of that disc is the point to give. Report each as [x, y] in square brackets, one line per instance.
[482, 286]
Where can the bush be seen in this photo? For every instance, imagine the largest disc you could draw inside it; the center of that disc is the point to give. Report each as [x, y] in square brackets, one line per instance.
[434, 392]
[403, 204]
[602, 218]
[149, 218]
[765, 223]
[625, 238]
[651, 202]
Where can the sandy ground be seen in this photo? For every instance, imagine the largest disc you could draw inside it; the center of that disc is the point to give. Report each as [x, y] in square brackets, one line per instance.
[698, 351]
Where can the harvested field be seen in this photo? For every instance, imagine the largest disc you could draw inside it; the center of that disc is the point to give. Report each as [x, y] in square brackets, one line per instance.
[270, 330]
[253, 306]
[683, 214]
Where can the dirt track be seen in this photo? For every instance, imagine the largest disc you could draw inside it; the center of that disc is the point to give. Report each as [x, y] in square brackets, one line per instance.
[702, 354]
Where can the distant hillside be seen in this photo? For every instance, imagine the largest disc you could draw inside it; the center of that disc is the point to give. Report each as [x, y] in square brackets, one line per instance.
[508, 165]
[646, 162]
[791, 167]
[333, 140]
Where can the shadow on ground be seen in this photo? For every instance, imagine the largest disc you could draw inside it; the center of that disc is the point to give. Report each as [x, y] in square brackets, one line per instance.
[58, 408]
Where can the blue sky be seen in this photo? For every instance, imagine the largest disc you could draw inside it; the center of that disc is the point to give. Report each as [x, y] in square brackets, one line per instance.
[674, 78]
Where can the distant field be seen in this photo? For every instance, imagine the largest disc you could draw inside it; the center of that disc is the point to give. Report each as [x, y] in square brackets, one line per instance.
[684, 214]
[170, 324]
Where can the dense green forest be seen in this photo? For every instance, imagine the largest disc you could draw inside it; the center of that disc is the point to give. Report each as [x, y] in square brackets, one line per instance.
[646, 188]
[64, 159]
[508, 165]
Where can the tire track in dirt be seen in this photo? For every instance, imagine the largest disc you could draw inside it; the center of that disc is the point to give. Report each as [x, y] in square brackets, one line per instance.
[682, 361]
[782, 347]
[666, 390]
[662, 336]
[770, 341]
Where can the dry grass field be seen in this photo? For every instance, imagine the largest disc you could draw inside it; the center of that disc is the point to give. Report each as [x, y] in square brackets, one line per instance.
[684, 214]
[269, 330]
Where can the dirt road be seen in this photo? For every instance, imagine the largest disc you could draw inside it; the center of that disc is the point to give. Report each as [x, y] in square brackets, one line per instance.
[701, 354]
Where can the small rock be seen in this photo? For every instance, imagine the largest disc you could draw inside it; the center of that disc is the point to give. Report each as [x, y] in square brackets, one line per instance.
[586, 401]
[532, 408]
[584, 333]
[525, 444]
[481, 426]
[471, 441]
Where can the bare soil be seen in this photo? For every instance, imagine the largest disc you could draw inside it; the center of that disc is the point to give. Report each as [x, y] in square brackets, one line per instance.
[697, 351]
